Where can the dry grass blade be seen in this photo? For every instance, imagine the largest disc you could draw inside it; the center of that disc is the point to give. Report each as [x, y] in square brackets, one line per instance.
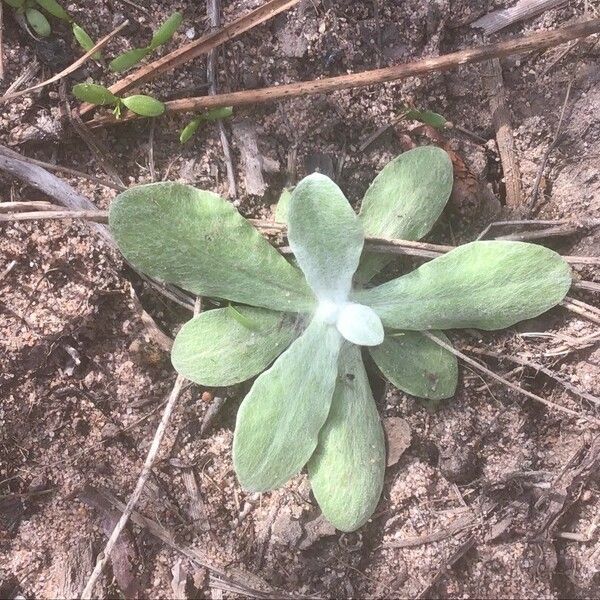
[537, 367]
[375, 245]
[70, 69]
[197, 48]
[103, 557]
[510, 384]
[535, 41]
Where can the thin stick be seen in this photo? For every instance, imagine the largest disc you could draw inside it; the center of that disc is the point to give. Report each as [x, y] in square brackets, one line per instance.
[103, 557]
[375, 245]
[554, 143]
[587, 286]
[537, 367]
[214, 10]
[535, 41]
[1, 41]
[142, 480]
[508, 383]
[197, 48]
[74, 172]
[70, 69]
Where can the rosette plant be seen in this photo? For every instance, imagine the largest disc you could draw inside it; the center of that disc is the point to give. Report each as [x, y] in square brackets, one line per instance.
[313, 406]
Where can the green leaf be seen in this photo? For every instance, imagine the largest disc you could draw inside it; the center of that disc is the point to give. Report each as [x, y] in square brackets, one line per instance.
[325, 236]
[360, 325]
[346, 471]
[166, 31]
[216, 349]
[85, 41]
[283, 205]
[189, 130]
[405, 200]
[428, 117]
[417, 365]
[197, 240]
[55, 9]
[38, 22]
[278, 422]
[15, 3]
[128, 59]
[146, 106]
[94, 94]
[216, 114]
[489, 285]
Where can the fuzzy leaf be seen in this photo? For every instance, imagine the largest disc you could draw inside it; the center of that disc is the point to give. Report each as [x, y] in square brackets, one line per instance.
[346, 471]
[360, 325]
[38, 22]
[325, 236]
[15, 3]
[215, 349]
[128, 59]
[199, 241]
[85, 41]
[55, 9]
[417, 365]
[405, 200]
[283, 205]
[166, 31]
[94, 94]
[489, 285]
[278, 422]
[146, 106]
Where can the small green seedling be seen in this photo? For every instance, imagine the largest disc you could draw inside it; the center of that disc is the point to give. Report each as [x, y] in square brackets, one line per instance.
[145, 106]
[428, 117]
[41, 26]
[208, 117]
[161, 36]
[313, 406]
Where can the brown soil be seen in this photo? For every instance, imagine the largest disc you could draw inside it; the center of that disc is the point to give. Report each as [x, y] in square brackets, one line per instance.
[491, 477]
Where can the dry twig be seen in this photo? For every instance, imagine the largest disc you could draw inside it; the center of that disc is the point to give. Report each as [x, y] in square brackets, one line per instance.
[214, 10]
[510, 384]
[70, 69]
[197, 48]
[535, 41]
[103, 557]
[493, 84]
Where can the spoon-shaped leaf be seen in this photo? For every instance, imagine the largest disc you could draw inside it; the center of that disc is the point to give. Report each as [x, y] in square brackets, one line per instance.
[128, 59]
[360, 324]
[146, 106]
[38, 22]
[55, 9]
[94, 94]
[85, 41]
[346, 471]
[283, 205]
[199, 241]
[278, 422]
[325, 236]
[166, 31]
[417, 365]
[489, 285]
[405, 200]
[216, 349]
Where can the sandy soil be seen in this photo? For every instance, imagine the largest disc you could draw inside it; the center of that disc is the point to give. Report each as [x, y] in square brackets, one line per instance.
[495, 496]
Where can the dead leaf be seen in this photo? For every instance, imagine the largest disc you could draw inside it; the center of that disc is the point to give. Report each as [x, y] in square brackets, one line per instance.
[397, 433]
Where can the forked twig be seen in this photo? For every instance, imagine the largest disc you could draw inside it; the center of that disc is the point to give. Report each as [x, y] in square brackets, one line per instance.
[70, 69]
[510, 384]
